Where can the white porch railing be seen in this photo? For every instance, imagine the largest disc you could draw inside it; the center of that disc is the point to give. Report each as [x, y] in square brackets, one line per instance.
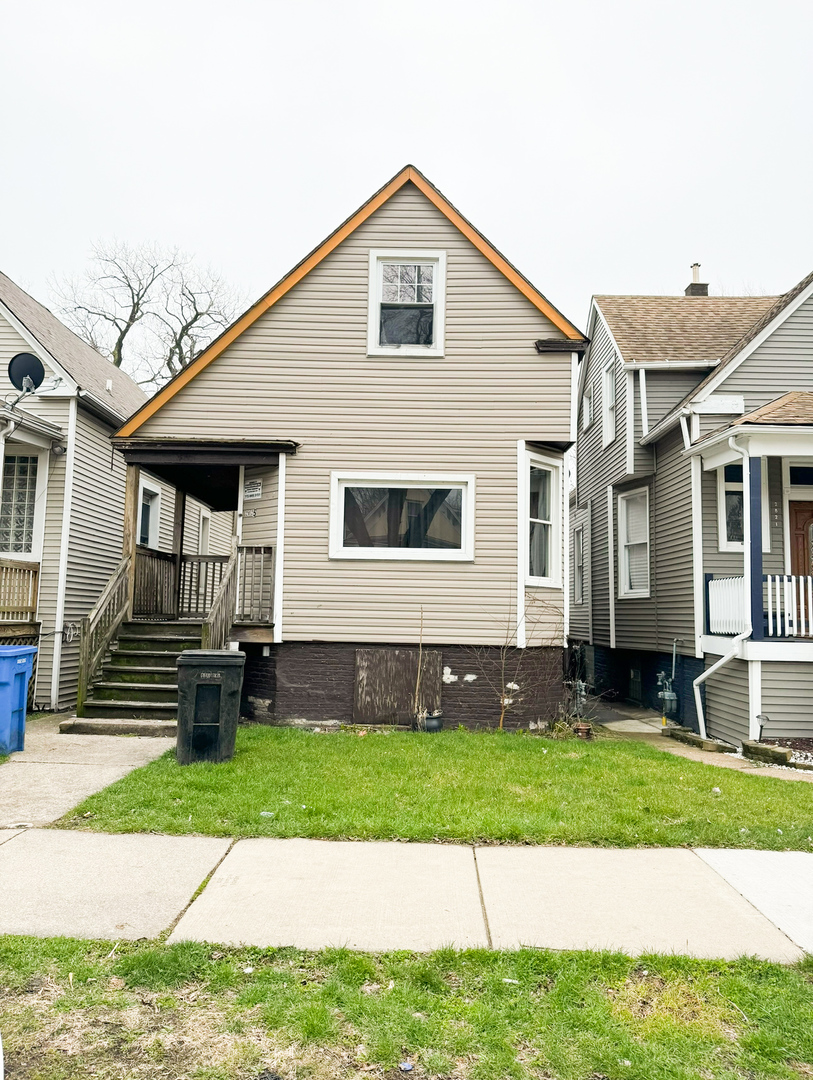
[727, 613]
[789, 605]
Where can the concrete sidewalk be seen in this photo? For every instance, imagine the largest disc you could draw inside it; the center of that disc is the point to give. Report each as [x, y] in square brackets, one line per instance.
[382, 896]
[55, 772]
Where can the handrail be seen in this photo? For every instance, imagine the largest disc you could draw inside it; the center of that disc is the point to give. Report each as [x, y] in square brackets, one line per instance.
[214, 631]
[99, 627]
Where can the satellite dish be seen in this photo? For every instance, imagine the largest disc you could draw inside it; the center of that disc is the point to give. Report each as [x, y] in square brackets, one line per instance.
[25, 366]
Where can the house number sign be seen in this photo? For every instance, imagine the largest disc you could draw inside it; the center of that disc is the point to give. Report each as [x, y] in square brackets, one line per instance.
[252, 489]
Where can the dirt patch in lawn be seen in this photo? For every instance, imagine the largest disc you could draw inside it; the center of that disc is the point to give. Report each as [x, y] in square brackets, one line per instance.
[651, 1000]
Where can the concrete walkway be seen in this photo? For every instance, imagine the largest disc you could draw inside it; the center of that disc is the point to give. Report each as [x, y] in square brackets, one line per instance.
[382, 896]
[55, 772]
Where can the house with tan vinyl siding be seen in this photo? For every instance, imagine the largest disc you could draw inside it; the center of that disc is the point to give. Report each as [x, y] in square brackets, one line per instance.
[388, 422]
[62, 490]
[693, 512]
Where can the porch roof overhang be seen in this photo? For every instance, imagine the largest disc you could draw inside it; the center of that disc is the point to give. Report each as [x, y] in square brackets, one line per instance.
[207, 469]
[31, 428]
[759, 440]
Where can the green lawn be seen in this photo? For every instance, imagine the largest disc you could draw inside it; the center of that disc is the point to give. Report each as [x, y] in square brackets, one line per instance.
[69, 1010]
[456, 786]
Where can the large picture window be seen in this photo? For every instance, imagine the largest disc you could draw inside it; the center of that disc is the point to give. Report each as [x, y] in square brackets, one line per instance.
[18, 504]
[407, 301]
[402, 516]
[633, 543]
[544, 520]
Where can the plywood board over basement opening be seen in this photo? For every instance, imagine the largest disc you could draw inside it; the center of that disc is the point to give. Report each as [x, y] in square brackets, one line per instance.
[385, 685]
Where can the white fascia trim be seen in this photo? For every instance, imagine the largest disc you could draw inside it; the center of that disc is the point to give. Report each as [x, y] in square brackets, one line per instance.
[697, 555]
[279, 554]
[719, 405]
[670, 365]
[611, 563]
[436, 256]
[754, 697]
[64, 541]
[766, 440]
[522, 540]
[360, 477]
[644, 406]
[630, 422]
[39, 349]
[752, 346]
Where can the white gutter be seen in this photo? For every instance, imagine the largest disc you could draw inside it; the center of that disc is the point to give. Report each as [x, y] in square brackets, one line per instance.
[62, 580]
[746, 577]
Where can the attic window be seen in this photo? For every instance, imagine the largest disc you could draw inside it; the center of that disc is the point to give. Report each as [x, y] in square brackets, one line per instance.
[406, 308]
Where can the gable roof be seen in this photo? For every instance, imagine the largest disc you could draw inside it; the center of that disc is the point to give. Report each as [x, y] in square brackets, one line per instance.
[409, 174]
[695, 329]
[88, 368]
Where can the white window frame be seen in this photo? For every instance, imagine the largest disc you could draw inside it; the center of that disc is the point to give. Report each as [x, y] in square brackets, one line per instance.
[340, 480]
[587, 409]
[38, 525]
[378, 256]
[723, 543]
[578, 565]
[623, 592]
[206, 517]
[609, 410]
[155, 518]
[544, 461]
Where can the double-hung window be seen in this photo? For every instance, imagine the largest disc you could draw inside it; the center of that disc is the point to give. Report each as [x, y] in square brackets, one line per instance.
[587, 408]
[608, 402]
[731, 507]
[402, 516]
[406, 303]
[578, 565]
[633, 543]
[543, 477]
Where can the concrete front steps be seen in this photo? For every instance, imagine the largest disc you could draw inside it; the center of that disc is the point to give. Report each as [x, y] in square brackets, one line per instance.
[139, 680]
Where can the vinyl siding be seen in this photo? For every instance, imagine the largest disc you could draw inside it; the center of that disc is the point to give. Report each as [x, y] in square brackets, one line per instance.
[729, 563]
[221, 528]
[782, 363]
[636, 622]
[727, 701]
[642, 456]
[666, 389]
[302, 372]
[787, 698]
[672, 532]
[96, 529]
[261, 528]
[580, 613]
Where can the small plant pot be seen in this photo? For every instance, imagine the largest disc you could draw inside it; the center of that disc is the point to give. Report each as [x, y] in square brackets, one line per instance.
[431, 724]
[583, 730]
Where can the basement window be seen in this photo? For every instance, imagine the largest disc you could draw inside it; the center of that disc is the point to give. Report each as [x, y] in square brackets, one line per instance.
[406, 303]
[417, 516]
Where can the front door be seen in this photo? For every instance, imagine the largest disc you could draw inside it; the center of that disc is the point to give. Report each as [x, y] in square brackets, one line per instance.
[801, 538]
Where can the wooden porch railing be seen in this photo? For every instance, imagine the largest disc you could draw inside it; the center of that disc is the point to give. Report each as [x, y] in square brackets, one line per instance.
[19, 587]
[255, 593]
[201, 577]
[99, 628]
[154, 592]
[218, 622]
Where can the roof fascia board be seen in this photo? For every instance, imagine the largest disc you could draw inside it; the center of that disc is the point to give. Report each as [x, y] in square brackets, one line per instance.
[669, 365]
[753, 432]
[752, 346]
[38, 347]
[100, 409]
[409, 174]
[30, 422]
[663, 427]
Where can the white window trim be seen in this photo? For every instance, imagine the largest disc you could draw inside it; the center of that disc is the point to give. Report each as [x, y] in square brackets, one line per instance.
[792, 493]
[623, 592]
[578, 548]
[723, 543]
[155, 519]
[377, 255]
[204, 516]
[533, 457]
[609, 416]
[339, 480]
[38, 524]
[587, 409]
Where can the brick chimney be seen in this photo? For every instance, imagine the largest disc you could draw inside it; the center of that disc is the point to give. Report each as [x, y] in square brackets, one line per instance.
[696, 288]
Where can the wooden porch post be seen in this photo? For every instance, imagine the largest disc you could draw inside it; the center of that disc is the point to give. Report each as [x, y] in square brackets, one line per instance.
[177, 545]
[131, 530]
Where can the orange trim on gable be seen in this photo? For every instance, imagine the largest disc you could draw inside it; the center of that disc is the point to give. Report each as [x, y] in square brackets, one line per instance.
[408, 174]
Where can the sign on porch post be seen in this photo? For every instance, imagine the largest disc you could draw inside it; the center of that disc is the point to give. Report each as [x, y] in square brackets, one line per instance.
[755, 500]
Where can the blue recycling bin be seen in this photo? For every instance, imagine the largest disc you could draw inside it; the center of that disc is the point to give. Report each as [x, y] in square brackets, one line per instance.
[16, 665]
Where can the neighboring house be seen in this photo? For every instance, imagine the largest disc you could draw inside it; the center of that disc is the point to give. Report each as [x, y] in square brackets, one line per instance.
[692, 519]
[63, 491]
[389, 422]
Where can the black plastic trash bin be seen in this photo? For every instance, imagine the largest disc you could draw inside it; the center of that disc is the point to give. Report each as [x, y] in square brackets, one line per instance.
[209, 684]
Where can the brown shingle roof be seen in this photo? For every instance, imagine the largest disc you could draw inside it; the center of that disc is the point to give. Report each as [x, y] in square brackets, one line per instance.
[793, 408]
[89, 369]
[699, 329]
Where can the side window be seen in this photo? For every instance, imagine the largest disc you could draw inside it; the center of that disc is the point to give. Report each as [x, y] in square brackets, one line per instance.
[578, 565]
[609, 402]
[406, 303]
[543, 480]
[587, 408]
[149, 515]
[730, 508]
[633, 543]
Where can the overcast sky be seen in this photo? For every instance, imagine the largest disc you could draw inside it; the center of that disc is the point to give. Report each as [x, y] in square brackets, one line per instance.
[601, 146]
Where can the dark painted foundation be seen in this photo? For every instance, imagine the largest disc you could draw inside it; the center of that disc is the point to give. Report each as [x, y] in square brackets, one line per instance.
[608, 671]
[314, 681]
